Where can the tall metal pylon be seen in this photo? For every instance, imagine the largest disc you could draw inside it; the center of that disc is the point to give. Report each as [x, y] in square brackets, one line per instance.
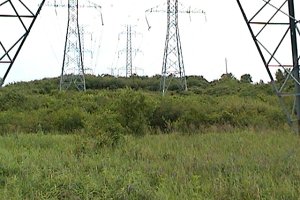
[72, 69]
[16, 21]
[273, 27]
[129, 50]
[173, 65]
[86, 50]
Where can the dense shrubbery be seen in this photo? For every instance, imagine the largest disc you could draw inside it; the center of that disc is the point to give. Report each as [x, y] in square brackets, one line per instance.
[225, 103]
[134, 111]
[245, 165]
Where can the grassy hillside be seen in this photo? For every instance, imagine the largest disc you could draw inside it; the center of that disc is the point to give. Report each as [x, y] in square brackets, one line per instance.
[223, 104]
[225, 139]
[238, 165]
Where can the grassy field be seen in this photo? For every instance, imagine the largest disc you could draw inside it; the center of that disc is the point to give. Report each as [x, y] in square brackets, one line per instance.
[239, 165]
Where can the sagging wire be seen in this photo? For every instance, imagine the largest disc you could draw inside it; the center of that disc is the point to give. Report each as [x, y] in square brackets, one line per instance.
[154, 9]
[96, 6]
[48, 39]
[94, 38]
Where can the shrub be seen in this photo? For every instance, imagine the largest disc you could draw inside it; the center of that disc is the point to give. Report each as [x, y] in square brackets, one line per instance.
[165, 114]
[105, 128]
[133, 110]
[64, 120]
[12, 100]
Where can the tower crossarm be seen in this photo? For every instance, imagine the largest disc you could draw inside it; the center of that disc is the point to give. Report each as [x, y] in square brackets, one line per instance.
[157, 9]
[182, 10]
[88, 4]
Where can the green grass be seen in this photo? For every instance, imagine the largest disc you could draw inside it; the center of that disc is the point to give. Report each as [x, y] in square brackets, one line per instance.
[240, 165]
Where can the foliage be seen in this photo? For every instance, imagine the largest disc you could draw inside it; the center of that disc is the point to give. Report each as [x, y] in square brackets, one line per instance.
[280, 76]
[133, 109]
[12, 100]
[84, 145]
[165, 114]
[227, 102]
[237, 165]
[246, 78]
[105, 129]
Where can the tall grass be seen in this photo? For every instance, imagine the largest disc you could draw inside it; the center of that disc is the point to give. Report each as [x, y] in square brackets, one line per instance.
[239, 165]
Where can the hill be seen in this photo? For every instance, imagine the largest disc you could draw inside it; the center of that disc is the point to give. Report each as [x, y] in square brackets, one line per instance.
[121, 139]
[135, 106]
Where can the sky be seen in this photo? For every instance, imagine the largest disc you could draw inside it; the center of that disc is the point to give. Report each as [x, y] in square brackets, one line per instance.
[206, 41]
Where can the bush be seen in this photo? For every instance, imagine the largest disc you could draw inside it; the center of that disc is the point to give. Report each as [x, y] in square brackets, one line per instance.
[64, 120]
[105, 128]
[110, 114]
[133, 109]
[165, 114]
[12, 100]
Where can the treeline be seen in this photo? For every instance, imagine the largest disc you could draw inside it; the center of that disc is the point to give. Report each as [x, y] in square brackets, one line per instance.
[109, 113]
[227, 84]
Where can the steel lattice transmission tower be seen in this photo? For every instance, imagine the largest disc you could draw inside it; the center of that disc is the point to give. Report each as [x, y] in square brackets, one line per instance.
[173, 65]
[128, 51]
[173, 59]
[72, 69]
[273, 27]
[16, 21]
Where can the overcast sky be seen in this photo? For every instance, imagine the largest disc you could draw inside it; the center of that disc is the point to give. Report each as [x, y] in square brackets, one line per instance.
[205, 44]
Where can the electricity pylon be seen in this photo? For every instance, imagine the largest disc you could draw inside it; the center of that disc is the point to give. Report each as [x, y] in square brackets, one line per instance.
[86, 50]
[15, 17]
[274, 30]
[129, 50]
[73, 71]
[173, 65]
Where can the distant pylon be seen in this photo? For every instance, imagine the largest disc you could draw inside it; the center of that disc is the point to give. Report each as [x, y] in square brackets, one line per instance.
[129, 52]
[173, 66]
[72, 69]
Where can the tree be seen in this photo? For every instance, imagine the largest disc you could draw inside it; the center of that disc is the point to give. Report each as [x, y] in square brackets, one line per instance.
[246, 78]
[228, 76]
[279, 75]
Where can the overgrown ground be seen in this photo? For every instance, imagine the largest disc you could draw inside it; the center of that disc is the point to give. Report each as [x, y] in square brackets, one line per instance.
[236, 165]
[122, 140]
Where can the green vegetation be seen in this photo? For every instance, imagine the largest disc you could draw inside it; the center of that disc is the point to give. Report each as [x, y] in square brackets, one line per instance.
[226, 103]
[122, 140]
[238, 165]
